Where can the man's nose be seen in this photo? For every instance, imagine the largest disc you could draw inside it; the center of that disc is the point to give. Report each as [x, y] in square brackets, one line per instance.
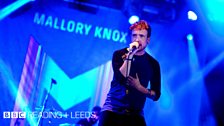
[137, 39]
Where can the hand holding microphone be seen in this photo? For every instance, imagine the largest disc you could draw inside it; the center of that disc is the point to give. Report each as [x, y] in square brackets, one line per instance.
[133, 47]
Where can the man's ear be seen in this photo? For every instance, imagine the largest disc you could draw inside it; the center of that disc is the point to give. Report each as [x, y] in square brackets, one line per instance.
[148, 40]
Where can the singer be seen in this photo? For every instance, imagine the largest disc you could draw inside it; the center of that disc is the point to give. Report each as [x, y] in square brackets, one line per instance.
[134, 69]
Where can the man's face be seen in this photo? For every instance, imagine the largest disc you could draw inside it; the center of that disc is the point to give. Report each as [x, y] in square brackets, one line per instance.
[140, 36]
[94, 117]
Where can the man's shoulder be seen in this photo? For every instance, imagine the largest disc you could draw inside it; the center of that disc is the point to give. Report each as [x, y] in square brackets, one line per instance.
[152, 59]
[121, 51]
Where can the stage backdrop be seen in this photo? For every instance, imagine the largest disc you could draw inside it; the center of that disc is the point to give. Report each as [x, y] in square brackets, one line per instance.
[50, 45]
[59, 42]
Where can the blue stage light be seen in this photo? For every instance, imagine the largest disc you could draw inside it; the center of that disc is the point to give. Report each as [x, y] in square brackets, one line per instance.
[215, 10]
[190, 37]
[12, 7]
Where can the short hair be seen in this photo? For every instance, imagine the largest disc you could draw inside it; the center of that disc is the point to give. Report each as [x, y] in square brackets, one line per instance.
[97, 109]
[140, 25]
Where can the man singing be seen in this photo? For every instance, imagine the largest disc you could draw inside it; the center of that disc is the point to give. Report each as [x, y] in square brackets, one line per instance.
[133, 70]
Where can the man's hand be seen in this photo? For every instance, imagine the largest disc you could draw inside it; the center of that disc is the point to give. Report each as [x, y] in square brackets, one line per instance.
[152, 93]
[134, 82]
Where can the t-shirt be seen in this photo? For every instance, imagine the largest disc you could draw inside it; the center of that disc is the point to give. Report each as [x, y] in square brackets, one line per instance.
[147, 69]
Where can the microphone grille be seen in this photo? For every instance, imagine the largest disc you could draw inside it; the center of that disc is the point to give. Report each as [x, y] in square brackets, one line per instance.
[136, 44]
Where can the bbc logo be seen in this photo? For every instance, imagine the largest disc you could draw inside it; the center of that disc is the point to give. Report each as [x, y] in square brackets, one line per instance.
[14, 114]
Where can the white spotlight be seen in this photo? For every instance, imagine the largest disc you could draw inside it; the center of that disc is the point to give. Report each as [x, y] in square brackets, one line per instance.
[192, 15]
[133, 19]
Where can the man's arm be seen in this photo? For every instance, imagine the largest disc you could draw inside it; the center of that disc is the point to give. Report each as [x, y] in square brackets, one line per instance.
[117, 62]
[155, 83]
[126, 66]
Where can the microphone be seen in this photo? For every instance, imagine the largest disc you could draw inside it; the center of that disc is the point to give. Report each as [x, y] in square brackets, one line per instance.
[133, 46]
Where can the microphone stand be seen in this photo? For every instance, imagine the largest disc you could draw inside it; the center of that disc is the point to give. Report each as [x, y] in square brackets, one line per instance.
[127, 74]
[128, 69]
[45, 101]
